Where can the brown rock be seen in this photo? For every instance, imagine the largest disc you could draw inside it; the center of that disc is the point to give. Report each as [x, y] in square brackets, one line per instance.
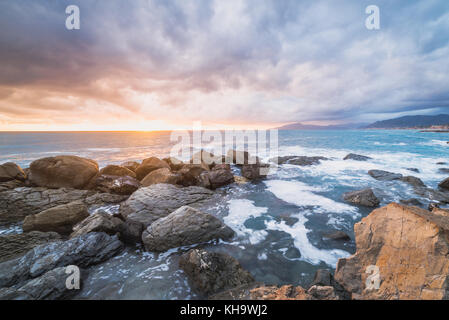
[113, 170]
[131, 165]
[162, 175]
[287, 292]
[221, 175]
[174, 163]
[11, 171]
[410, 247]
[97, 222]
[125, 185]
[190, 175]
[444, 184]
[149, 165]
[63, 172]
[60, 219]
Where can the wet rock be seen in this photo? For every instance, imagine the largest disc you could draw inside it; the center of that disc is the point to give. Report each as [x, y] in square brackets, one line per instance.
[433, 206]
[413, 181]
[148, 204]
[240, 180]
[298, 160]
[60, 219]
[432, 195]
[411, 202]
[220, 175]
[183, 227]
[211, 272]
[149, 165]
[11, 171]
[292, 253]
[131, 165]
[97, 222]
[121, 185]
[364, 197]
[83, 251]
[12, 184]
[16, 245]
[193, 175]
[409, 245]
[255, 171]
[131, 231]
[357, 157]
[113, 170]
[444, 184]
[337, 235]
[49, 286]
[174, 163]
[162, 175]
[384, 175]
[441, 163]
[443, 170]
[62, 172]
[413, 170]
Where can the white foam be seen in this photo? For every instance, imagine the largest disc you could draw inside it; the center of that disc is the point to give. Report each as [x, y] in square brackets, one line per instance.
[240, 210]
[300, 194]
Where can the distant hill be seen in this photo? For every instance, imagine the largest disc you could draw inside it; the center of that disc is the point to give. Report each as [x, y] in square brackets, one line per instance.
[300, 126]
[411, 122]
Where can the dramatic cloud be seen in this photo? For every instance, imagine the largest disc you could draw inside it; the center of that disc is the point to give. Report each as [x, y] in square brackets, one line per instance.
[158, 63]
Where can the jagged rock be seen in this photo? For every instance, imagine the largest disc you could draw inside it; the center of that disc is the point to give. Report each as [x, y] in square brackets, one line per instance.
[16, 245]
[220, 175]
[131, 165]
[410, 247]
[62, 172]
[49, 286]
[83, 251]
[364, 197]
[298, 160]
[148, 204]
[12, 184]
[183, 227]
[337, 235]
[323, 293]
[113, 170]
[149, 165]
[212, 272]
[193, 175]
[357, 157]
[11, 171]
[287, 292]
[174, 163]
[122, 185]
[97, 222]
[255, 171]
[324, 279]
[444, 184]
[60, 219]
[413, 181]
[162, 175]
[432, 195]
[384, 175]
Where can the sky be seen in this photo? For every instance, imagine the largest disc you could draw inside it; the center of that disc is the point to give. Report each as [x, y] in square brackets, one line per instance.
[162, 64]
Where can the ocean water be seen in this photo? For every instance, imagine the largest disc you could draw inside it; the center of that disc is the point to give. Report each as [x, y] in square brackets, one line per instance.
[279, 221]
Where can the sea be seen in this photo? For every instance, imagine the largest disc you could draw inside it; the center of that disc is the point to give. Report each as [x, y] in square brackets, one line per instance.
[280, 222]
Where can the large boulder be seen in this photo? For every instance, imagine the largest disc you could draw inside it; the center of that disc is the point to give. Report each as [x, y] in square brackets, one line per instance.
[60, 219]
[413, 181]
[364, 197]
[63, 172]
[183, 227]
[194, 175]
[220, 175]
[148, 165]
[122, 185]
[148, 204]
[113, 170]
[174, 163]
[163, 175]
[16, 245]
[384, 175]
[11, 171]
[212, 272]
[83, 252]
[298, 160]
[255, 171]
[444, 184]
[97, 222]
[130, 165]
[357, 157]
[410, 248]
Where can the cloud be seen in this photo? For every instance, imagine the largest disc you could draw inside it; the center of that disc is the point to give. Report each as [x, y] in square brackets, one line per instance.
[221, 61]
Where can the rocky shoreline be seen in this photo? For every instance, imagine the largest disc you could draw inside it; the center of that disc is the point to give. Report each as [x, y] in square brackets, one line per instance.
[60, 202]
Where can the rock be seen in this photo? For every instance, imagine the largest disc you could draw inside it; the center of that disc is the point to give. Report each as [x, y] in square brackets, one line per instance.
[443, 170]
[131, 231]
[113, 170]
[432, 195]
[324, 279]
[174, 163]
[16, 245]
[62, 172]
[49, 286]
[413, 170]
[97, 222]
[298, 160]
[255, 171]
[12, 184]
[148, 204]
[441, 163]
[384, 175]
[411, 202]
[337, 235]
[410, 247]
[162, 175]
[444, 184]
[11, 171]
[125, 185]
[323, 293]
[357, 157]
[183, 227]
[193, 175]
[414, 181]
[364, 197]
[60, 219]
[287, 292]
[213, 272]
[220, 175]
[433, 206]
[240, 157]
[240, 180]
[149, 165]
[83, 251]
[131, 165]
[207, 159]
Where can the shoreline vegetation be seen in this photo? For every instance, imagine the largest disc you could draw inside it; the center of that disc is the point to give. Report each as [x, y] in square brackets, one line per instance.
[158, 209]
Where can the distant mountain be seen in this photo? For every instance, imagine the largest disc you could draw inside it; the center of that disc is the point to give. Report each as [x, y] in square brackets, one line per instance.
[411, 122]
[300, 126]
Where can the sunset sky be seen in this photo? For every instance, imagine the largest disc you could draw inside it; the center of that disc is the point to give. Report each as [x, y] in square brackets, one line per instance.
[151, 65]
